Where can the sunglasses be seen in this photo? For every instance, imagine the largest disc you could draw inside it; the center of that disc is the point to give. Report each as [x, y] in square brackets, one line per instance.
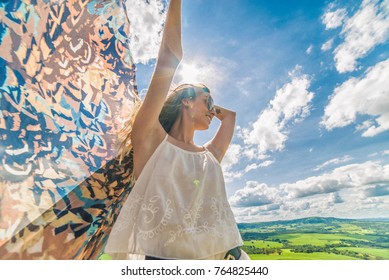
[211, 104]
[192, 94]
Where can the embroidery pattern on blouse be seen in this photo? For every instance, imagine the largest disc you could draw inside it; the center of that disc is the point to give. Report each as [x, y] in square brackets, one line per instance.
[192, 221]
[223, 216]
[128, 213]
[148, 211]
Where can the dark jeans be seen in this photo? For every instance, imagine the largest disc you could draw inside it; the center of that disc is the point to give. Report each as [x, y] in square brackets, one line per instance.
[150, 258]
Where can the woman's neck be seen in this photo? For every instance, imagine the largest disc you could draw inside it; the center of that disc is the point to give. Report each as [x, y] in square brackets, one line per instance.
[181, 132]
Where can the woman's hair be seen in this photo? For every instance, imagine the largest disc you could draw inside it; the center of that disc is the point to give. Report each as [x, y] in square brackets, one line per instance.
[170, 111]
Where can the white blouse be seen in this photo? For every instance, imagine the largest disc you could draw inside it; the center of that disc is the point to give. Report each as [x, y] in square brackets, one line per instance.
[177, 209]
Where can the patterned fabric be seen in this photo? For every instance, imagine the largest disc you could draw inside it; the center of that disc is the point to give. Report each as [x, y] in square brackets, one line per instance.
[66, 73]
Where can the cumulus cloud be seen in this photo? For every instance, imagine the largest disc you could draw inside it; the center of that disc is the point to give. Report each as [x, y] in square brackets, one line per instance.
[368, 96]
[350, 176]
[316, 185]
[146, 19]
[336, 198]
[368, 27]
[297, 207]
[333, 19]
[333, 161]
[352, 187]
[290, 104]
[253, 194]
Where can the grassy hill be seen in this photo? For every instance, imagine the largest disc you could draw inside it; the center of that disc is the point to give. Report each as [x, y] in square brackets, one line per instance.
[317, 238]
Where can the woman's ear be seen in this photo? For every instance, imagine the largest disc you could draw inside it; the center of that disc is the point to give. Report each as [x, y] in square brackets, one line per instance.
[186, 103]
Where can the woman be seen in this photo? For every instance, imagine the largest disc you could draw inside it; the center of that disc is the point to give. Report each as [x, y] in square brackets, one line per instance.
[178, 208]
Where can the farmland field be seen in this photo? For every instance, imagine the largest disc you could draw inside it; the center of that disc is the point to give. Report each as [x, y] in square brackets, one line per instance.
[317, 239]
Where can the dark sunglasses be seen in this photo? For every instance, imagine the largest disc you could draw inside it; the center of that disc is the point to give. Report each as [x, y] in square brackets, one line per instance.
[192, 94]
[211, 105]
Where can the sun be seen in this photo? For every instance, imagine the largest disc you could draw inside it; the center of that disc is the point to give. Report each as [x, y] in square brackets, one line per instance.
[189, 73]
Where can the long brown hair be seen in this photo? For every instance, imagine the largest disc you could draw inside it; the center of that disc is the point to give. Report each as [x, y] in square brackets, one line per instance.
[170, 111]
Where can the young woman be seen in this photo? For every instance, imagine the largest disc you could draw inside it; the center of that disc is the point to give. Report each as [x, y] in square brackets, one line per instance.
[178, 207]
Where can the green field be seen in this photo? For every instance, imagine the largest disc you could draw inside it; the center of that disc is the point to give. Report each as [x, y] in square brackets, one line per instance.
[314, 238]
[383, 253]
[317, 239]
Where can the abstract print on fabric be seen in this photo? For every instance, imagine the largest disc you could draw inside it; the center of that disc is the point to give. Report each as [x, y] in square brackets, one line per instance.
[66, 73]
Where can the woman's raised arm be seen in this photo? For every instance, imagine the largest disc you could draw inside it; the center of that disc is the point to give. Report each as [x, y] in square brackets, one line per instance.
[169, 57]
[147, 132]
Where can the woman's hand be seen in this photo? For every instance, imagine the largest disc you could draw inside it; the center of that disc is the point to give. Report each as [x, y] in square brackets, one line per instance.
[222, 113]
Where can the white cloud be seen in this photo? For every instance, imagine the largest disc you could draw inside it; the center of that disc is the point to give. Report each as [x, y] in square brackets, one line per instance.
[368, 174]
[364, 96]
[364, 125]
[230, 176]
[327, 45]
[267, 132]
[297, 207]
[347, 191]
[290, 104]
[231, 158]
[336, 198]
[334, 19]
[333, 161]
[254, 166]
[146, 23]
[253, 194]
[362, 32]
[309, 50]
[316, 185]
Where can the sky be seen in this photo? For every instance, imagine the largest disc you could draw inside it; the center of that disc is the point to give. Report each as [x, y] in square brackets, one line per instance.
[309, 81]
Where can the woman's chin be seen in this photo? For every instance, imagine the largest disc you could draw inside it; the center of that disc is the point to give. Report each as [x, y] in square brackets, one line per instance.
[204, 127]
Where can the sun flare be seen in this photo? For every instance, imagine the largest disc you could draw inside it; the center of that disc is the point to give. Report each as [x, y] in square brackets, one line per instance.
[189, 73]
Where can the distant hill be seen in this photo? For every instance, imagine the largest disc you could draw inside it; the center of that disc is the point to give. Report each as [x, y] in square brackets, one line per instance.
[308, 221]
[376, 220]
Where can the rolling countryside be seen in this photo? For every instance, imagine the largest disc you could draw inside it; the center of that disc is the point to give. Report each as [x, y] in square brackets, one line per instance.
[317, 238]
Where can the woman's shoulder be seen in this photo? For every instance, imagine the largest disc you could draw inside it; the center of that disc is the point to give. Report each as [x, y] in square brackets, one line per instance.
[214, 151]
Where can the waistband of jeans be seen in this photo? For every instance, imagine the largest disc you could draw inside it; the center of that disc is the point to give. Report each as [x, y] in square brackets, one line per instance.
[233, 254]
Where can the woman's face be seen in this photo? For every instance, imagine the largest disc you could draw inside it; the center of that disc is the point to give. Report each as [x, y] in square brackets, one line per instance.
[202, 111]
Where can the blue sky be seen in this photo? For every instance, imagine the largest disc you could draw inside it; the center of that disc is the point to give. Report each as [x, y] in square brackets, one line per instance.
[309, 81]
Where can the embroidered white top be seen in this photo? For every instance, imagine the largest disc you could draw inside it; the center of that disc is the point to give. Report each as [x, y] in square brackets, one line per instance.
[178, 208]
